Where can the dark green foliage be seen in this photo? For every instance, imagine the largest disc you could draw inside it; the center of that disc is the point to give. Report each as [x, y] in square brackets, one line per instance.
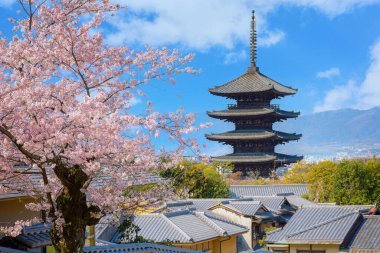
[356, 182]
[348, 182]
[197, 180]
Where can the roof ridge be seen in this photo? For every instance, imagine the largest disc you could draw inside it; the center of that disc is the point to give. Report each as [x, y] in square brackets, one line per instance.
[322, 224]
[246, 202]
[210, 223]
[178, 229]
[212, 215]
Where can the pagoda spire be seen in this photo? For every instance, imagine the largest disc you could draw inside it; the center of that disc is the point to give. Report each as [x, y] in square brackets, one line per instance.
[253, 45]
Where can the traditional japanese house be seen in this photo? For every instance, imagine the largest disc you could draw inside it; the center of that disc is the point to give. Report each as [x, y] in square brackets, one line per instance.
[253, 115]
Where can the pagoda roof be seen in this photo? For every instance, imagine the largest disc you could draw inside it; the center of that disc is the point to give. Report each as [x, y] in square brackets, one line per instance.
[282, 158]
[251, 113]
[252, 82]
[257, 158]
[257, 134]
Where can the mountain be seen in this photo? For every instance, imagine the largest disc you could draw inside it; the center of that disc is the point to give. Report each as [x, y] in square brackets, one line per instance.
[331, 132]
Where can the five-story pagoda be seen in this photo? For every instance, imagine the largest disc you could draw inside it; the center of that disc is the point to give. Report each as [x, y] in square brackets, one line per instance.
[254, 139]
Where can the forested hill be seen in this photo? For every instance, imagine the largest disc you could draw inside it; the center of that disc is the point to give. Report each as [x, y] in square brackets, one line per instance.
[332, 130]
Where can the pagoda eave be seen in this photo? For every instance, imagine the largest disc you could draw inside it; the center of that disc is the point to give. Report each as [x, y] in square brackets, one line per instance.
[252, 136]
[245, 158]
[252, 113]
[249, 158]
[287, 159]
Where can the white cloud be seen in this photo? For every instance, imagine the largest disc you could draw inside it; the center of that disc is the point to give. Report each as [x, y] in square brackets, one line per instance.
[271, 38]
[338, 98]
[201, 24]
[363, 95]
[235, 56]
[6, 3]
[329, 73]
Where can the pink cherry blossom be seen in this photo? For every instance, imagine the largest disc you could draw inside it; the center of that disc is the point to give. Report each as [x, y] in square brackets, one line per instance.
[67, 137]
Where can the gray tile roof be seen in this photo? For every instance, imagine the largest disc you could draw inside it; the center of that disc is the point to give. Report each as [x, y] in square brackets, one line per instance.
[180, 205]
[245, 158]
[252, 83]
[275, 203]
[122, 248]
[298, 201]
[205, 204]
[136, 247]
[158, 228]
[257, 158]
[367, 238]
[258, 134]
[9, 250]
[35, 236]
[247, 208]
[267, 190]
[317, 225]
[224, 223]
[233, 113]
[184, 226]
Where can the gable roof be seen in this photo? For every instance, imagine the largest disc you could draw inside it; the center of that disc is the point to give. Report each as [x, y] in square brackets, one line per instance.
[246, 208]
[317, 225]
[267, 190]
[205, 204]
[367, 237]
[275, 203]
[184, 226]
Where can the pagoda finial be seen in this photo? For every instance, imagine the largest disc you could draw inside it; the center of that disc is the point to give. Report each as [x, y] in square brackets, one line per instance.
[253, 66]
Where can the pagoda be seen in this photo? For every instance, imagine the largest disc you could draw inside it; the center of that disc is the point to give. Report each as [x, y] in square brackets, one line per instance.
[253, 115]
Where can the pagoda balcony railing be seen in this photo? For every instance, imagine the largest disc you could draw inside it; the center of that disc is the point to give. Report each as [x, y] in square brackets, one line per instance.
[275, 107]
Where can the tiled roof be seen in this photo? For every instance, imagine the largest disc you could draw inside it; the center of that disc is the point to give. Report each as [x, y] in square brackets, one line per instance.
[282, 158]
[298, 201]
[184, 226]
[367, 238]
[9, 250]
[223, 222]
[317, 225]
[267, 190]
[248, 208]
[122, 248]
[245, 158]
[258, 134]
[273, 203]
[251, 113]
[205, 204]
[257, 158]
[252, 83]
[158, 228]
[35, 236]
[137, 247]
[180, 205]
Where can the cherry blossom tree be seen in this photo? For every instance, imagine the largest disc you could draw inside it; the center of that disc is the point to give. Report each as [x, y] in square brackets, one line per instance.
[65, 97]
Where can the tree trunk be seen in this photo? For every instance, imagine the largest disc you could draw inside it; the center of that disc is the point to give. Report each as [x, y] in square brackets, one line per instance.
[70, 236]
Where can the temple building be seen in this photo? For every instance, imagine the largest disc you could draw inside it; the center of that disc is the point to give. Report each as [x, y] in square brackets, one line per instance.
[253, 115]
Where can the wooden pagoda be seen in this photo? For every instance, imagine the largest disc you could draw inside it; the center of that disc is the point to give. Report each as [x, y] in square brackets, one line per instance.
[253, 115]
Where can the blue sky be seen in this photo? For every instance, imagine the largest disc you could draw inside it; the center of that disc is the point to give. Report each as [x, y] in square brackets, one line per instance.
[328, 49]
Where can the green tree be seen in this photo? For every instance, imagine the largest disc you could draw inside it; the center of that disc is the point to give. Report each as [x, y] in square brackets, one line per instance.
[320, 179]
[373, 167]
[298, 174]
[197, 180]
[353, 183]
